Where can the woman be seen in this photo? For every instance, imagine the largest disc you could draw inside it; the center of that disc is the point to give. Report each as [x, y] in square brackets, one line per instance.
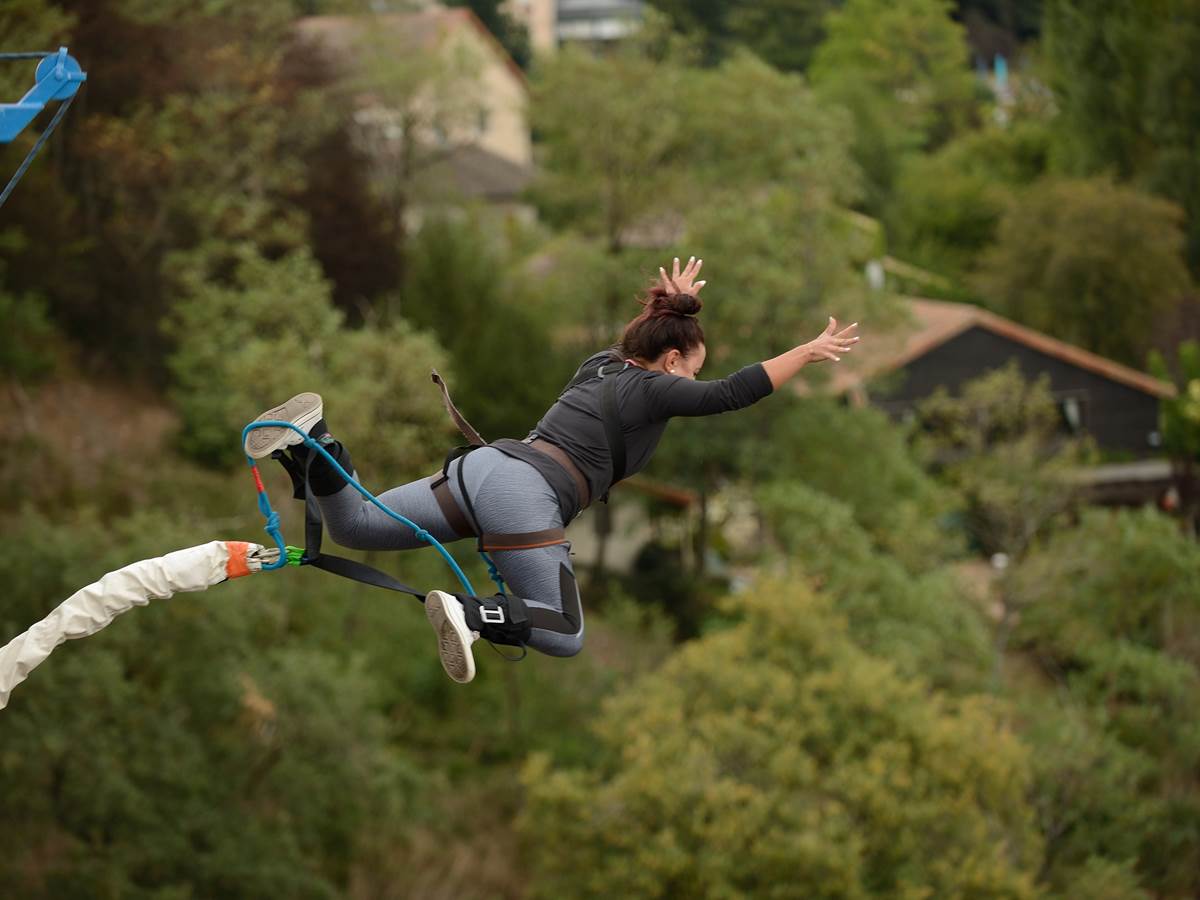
[517, 496]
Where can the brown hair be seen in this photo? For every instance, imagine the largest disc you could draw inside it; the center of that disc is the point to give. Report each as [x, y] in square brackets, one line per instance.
[668, 321]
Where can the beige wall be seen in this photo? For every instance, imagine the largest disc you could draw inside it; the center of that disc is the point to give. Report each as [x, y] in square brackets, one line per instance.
[540, 17]
[502, 96]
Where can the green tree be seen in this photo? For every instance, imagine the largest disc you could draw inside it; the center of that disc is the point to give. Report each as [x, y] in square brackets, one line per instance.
[1088, 261]
[777, 756]
[1180, 425]
[1000, 442]
[859, 457]
[626, 159]
[1111, 612]
[919, 621]
[1128, 92]
[189, 152]
[1130, 577]
[464, 289]
[667, 142]
[901, 69]
[783, 33]
[948, 205]
[28, 343]
[190, 748]
[274, 333]
[1091, 797]
[511, 34]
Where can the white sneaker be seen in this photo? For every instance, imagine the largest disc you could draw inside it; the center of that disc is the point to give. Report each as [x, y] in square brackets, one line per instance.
[445, 614]
[304, 411]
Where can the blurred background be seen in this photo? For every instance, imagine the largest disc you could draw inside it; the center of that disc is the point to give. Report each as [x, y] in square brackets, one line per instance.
[926, 626]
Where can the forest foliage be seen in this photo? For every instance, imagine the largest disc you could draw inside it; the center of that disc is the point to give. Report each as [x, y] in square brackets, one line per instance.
[825, 689]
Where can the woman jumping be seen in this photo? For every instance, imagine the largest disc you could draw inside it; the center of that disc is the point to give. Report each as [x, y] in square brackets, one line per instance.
[517, 496]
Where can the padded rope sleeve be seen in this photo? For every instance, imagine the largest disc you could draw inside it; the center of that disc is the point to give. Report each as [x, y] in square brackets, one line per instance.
[94, 607]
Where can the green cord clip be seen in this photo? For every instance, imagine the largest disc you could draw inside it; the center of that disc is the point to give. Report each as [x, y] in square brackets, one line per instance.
[294, 555]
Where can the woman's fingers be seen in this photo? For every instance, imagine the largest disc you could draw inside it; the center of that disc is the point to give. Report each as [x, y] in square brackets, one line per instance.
[832, 342]
[682, 280]
[697, 286]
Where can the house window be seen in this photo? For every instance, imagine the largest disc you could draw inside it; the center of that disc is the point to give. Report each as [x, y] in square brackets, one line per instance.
[1073, 408]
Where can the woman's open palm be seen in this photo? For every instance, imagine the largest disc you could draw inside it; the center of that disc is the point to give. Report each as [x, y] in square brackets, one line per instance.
[831, 342]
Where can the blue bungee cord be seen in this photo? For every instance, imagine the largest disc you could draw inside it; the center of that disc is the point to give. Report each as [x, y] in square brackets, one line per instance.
[286, 555]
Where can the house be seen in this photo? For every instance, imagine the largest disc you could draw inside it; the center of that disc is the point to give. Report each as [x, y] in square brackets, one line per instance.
[944, 345]
[473, 130]
[552, 23]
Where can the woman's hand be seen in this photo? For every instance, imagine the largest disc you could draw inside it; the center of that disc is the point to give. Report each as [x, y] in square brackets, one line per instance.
[829, 345]
[682, 282]
[832, 342]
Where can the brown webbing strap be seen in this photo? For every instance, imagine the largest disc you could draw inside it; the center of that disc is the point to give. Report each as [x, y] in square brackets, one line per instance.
[445, 500]
[528, 541]
[464, 426]
[560, 456]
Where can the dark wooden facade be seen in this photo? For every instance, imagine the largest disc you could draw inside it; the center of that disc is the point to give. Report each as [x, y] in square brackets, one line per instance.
[1118, 415]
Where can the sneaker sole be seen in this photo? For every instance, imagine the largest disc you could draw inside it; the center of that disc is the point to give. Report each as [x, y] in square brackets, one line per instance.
[454, 639]
[303, 411]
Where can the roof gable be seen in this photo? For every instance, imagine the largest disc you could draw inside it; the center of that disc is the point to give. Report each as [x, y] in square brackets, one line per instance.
[423, 28]
[934, 322]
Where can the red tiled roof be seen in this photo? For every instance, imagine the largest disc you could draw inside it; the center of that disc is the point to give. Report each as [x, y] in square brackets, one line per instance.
[934, 322]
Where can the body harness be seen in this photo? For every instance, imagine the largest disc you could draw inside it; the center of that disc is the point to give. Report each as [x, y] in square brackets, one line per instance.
[464, 523]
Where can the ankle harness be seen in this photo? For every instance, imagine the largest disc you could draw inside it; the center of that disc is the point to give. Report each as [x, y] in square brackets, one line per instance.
[501, 618]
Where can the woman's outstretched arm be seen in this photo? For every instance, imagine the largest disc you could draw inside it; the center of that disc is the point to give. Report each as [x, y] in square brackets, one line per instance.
[829, 345]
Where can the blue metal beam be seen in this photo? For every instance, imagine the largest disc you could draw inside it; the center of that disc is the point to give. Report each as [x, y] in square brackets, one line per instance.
[58, 77]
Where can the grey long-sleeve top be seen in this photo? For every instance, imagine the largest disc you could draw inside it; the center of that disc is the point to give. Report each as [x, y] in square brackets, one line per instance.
[647, 400]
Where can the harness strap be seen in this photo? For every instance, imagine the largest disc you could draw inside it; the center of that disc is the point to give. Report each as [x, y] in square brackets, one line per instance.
[610, 411]
[337, 565]
[450, 509]
[472, 436]
[613, 433]
[529, 540]
[560, 456]
[363, 573]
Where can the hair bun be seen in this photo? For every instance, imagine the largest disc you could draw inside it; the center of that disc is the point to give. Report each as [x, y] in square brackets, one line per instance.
[679, 304]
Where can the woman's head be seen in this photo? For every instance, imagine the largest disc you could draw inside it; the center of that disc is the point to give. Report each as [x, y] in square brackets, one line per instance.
[666, 334]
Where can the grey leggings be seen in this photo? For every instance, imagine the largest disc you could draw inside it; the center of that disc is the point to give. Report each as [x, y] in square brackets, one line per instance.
[510, 497]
